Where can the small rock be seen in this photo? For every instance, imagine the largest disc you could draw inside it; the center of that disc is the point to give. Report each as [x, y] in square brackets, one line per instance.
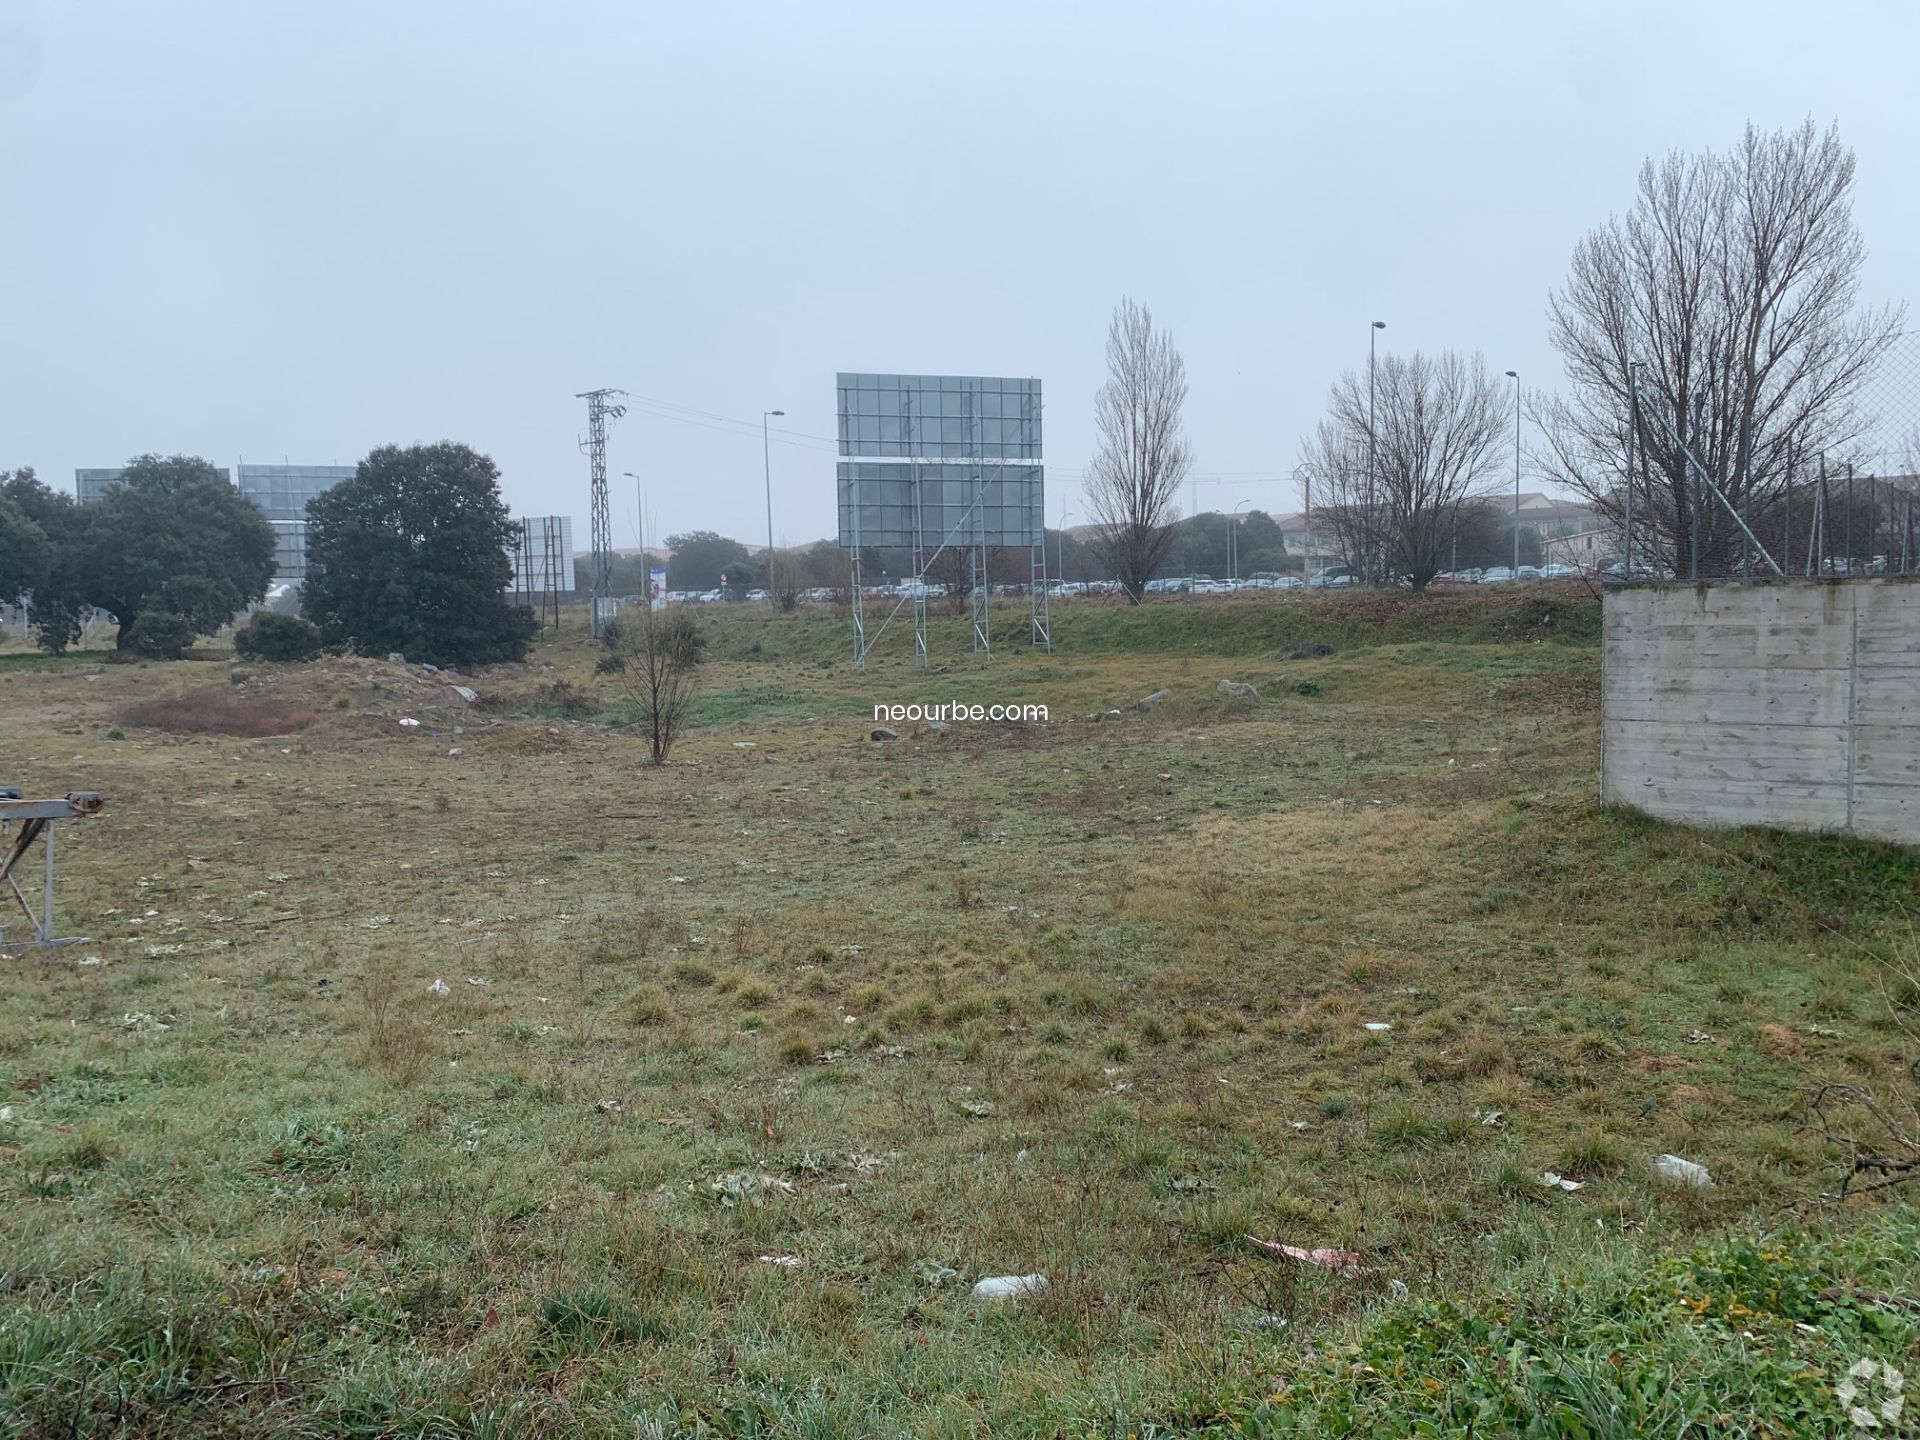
[239, 674]
[394, 657]
[1779, 1040]
[881, 732]
[465, 694]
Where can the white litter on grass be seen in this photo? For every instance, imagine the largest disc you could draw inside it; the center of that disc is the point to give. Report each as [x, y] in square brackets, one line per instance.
[676, 880]
[979, 1109]
[786, 1262]
[1682, 1172]
[410, 722]
[1377, 1026]
[932, 1272]
[439, 987]
[607, 1107]
[1489, 1117]
[1010, 1287]
[1560, 1182]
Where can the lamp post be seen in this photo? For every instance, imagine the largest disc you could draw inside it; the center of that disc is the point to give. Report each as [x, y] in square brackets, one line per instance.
[766, 461]
[1514, 375]
[1304, 474]
[1367, 563]
[1233, 542]
[1061, 548]
[640, 536]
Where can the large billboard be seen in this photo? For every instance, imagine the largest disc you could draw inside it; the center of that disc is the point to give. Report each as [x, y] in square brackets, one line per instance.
[946, 459]
[542, 555]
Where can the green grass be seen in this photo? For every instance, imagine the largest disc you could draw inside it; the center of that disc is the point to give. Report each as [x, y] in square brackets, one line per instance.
[1744, 1336]
[1079, 998]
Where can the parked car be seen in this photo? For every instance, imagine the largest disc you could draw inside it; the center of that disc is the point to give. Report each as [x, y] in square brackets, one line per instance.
[1498, 575]
[1333, 577]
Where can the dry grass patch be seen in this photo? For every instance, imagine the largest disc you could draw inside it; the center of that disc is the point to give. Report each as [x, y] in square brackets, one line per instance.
[217, 712]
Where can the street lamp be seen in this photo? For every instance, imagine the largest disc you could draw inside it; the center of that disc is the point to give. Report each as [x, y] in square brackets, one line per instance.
[1062, 547]
[766, 461]
[1304, 474]
[640, 534]
[1233, 542]
[1514, 375]
[1372, 335]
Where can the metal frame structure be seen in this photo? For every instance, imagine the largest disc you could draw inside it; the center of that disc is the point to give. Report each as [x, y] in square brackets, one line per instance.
[542, 561]
[601, 408]
[36, 819]
[978, 534]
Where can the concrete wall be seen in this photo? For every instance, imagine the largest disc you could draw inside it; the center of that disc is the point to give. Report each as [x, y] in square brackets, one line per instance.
[1791, 705]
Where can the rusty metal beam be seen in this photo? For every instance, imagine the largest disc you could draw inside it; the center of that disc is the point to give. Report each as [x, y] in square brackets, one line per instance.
[36, 819]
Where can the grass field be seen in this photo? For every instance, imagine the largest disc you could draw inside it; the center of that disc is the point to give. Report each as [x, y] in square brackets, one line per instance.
[750, 1065]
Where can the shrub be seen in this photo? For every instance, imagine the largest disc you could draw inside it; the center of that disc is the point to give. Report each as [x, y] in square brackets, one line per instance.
[160, 635]
[285, 638]
[564, 699]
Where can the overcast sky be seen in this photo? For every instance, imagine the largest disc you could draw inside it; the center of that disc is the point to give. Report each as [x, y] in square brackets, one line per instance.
[273, 230]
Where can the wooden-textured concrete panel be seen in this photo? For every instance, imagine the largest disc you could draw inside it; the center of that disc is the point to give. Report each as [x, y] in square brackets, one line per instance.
[1784, 704]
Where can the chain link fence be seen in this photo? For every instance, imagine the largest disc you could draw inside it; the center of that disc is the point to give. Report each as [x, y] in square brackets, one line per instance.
[1708, 505]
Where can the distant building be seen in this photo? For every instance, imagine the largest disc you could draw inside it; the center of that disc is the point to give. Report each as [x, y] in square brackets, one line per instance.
[1548, 516]
[91, 486]
[282, 493]
[1316, 547]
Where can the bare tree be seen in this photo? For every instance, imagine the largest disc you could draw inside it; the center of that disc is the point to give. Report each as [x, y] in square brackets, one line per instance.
[661, 652]
[785, 580]
[1439, 433]
[1141, 456]
[1731, 287]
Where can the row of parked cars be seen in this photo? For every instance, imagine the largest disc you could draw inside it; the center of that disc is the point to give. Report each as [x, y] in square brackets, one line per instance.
[1506, 574]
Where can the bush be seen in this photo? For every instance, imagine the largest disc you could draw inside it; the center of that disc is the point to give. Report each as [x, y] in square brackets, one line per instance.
[160, 635]
[277, 637]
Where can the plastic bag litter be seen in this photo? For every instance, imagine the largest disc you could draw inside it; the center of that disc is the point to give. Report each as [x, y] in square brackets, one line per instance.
[1010, 1287]
[1682, 1172]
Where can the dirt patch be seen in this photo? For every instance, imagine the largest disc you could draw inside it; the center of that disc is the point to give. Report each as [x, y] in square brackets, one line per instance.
[1779, 1040]
[217, 712]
